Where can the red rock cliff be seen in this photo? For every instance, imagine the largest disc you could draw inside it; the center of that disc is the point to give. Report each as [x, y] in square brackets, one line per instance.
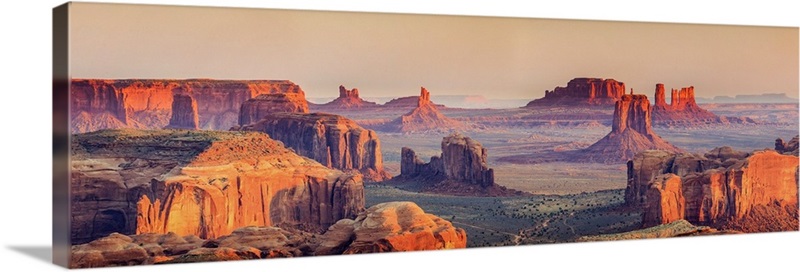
[256, 108]
[332, 140]
[347, 100]
[723, 188]
[583, 91]
[464, 159]
[184, 113]
[631, 133]
[682, 110]
[146, 103]
[200, 183]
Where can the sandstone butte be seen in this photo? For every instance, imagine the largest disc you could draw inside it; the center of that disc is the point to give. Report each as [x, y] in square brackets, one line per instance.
[424, 118]
[332, 140]
[582, 92]
[147, 103]
[184, 113]
[461, 169]
[202, 183]
[256, 108]
[347, 100]
[631, 133]
[724, 188]
[683, 110]
[385, 227]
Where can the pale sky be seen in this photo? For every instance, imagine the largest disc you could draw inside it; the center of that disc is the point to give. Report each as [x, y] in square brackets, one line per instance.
[393, 55]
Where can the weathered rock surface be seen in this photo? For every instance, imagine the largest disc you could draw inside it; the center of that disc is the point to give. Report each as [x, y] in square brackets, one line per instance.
[254, 109]
[184, 113]
[631, 133]
[347, 100]
[200, 183]
[789, 148]
[723, 188]
[461, 169]
[683, 109]
[426, 117]
[582, 92]
[332, 140]
[678, 228]
[390, 227]
[147, 103]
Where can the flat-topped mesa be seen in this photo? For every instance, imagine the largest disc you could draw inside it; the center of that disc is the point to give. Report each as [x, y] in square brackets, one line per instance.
[256, 108]
[582, 92]
[147, 103]
[426, 117]
[203, 183]
[631, 133]
[683, 109]
[332, 140]
[184, 113]
[724, 188]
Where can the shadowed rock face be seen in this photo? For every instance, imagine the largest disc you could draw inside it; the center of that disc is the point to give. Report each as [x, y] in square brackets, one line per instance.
[631, 133]
[463, 160]
[789, 148]
[391, 227]
[200, 183]
[256, 108]
[184, 113]
[332, 140]
[424, 118]
[582, 92]
[722, 188]
[147, 103]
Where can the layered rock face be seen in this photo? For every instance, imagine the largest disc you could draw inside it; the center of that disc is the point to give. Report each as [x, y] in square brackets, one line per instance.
[789, 148]
[347, 100]
[683, 109]
[184, 113]
[147, 103]
[631, 133]
[424, 118]
[582, 92]
[256, 108]
[391, 227]
[332, 140]
[200, 183]
[723, 188]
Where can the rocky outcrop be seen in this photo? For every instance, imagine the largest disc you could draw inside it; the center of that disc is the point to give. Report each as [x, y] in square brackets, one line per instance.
[332, 140]
[391, 227]
[184, 113]
[256, 108]
[678, 228]
[426, 117]
[723, 188]
[461, 169]
[347, 100]
[631, 133]
[789, 148]
[147, 103]
[200, 183]
[582, 92]
[683, 110]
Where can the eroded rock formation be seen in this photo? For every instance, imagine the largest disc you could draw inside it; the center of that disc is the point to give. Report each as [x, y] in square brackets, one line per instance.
[582, 92]
[184, 113]
[631, 133]
[390, 227]
[425, 117]
[683, 110]
[200, 183]
[723, 188]
[332, 140]
[147, 103]
[789, 148]
[256, 108]
[678, 228]
[347, 100]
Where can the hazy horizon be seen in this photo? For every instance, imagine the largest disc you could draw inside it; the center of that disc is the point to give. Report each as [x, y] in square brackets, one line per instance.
[392, 55]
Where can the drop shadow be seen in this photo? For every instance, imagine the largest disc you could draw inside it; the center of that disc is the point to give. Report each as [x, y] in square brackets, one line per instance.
[42, 253]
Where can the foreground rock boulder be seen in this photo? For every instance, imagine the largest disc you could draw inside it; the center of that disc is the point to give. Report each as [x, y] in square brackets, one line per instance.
[254, 109]
[332, 140]
[582, 92]
[200, 183]
[631, 133]
[147, 103]
[390, 227]
[426, 117]
[726, 189]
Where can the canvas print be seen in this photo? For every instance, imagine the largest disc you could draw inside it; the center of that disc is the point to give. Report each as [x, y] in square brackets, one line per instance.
[213, 134]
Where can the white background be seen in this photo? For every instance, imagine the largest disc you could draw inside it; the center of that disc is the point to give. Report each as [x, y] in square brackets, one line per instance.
[25, 151]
